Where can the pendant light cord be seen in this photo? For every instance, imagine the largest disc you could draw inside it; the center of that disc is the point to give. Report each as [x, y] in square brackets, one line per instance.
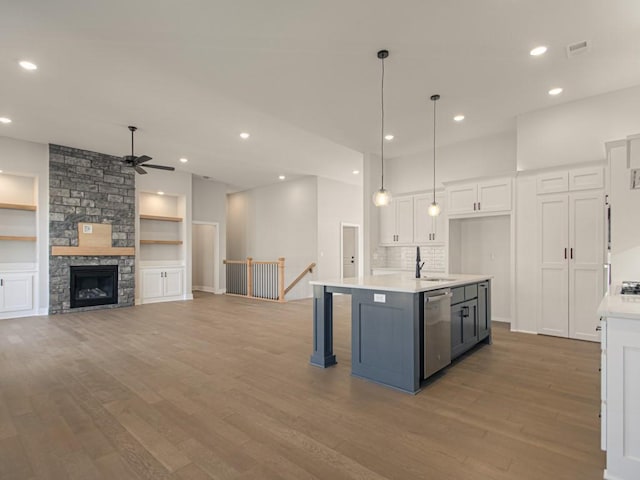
[382, 124]
[434, 150]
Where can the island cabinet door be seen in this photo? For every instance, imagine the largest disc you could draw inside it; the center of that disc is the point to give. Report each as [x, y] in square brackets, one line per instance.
[457, 345]
[484, 312]
[470, 323]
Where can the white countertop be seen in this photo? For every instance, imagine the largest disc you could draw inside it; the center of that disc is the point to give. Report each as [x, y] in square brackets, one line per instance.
[402, 282]
[620, 306]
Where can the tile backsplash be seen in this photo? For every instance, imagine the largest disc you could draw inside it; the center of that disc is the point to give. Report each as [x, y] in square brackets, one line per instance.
[434, 257]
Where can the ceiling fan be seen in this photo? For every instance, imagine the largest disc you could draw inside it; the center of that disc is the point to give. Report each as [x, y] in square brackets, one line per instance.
[136, 161]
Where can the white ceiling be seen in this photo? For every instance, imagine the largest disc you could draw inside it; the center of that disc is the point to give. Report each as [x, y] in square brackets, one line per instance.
[301, 76]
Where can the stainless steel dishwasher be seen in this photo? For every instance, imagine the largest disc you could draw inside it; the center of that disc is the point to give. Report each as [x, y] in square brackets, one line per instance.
[437, 331]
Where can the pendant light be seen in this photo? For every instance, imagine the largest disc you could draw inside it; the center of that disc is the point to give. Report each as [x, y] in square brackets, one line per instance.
[434, 208]
[382, 197]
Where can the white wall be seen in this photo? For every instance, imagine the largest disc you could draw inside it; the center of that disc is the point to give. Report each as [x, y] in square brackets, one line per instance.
[483, 246]
[278, 220]
[204, 245]
[526, 216]
[625, 220]
[173, 184]
[576, 132]
[210, 205]
[18, 157]
[488, 156]
[337, 202]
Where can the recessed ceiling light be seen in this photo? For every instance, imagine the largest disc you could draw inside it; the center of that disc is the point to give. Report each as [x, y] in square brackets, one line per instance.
[388, 137]
[458, 118]
[244, 135]
[538, 51]
[281, 177]
[356, 172]
[555, 91]
[5, 120]
[184, 160]
[0, 171]
[160, 193]
[28, 65]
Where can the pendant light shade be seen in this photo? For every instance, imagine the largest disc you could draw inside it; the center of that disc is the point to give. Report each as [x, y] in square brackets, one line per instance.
[434, 208]
[382, 197]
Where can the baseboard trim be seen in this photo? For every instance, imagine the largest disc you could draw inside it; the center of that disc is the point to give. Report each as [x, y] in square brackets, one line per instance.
[23, 314]
[515, 330]
[501, 319]
[188, 296]
[43, 311]
[221, 291]
[199, 288]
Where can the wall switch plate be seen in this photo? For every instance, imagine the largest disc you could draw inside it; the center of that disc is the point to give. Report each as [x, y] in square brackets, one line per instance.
[87, 229]
[379, 298]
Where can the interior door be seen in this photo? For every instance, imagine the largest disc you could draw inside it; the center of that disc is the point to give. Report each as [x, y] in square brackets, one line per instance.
[553, 286]
[349, 251]
[586, 261]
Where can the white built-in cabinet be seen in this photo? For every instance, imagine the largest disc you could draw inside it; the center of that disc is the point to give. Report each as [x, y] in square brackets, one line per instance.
[487, 196]
[396, 222]
[16, 291]
[162, 253]
[162, 284]
[427, 229]
[570, 255]
[620, 397]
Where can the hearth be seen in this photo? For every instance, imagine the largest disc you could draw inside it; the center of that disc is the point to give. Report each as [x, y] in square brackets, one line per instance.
[93, 285]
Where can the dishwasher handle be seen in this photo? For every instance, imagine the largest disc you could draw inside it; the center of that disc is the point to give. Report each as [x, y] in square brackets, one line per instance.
[437, 298]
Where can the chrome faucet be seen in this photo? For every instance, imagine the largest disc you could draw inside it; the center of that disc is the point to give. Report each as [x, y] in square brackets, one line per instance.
[418, 264]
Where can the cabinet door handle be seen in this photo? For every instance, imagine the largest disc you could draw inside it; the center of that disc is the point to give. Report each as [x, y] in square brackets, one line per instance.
[478, 205]
[571, 253]
[565, 253]
[1, 282]
[474, 206]
[465, 312]
[598, 328]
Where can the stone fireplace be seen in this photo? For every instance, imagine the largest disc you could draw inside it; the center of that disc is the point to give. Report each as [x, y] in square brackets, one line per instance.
[93, 285]
[90, 187]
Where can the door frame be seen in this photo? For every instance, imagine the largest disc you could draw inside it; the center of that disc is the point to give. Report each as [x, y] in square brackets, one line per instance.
[359, 247]
[216, 254]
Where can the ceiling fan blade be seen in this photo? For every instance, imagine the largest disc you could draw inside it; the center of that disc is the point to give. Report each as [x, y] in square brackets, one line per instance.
[160, 167]
[142, 159]
[140, 170]
[128, 159]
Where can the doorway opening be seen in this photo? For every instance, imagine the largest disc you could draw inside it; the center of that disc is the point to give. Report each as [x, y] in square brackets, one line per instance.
[350, 249]
[205, 257]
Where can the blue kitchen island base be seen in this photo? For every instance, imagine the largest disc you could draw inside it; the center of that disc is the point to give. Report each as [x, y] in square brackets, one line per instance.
[387, 328]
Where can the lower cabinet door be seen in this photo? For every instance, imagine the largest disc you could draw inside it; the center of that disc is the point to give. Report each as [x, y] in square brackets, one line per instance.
[173, 282]
[17, 292]
[469, 323]
[484, 314]
[457, 346]
[152, 283]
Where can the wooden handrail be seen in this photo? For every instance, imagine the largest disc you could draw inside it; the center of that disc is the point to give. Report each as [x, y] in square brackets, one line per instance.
[236, 262]
[309, 269]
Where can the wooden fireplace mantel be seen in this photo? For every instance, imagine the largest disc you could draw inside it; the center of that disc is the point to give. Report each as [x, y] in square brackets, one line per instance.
[92, 251]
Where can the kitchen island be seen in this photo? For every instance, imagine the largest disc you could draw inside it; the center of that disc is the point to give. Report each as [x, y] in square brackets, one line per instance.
[387, 312]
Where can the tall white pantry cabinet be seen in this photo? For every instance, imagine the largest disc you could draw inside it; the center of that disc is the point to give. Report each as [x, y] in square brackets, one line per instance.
[571, 252]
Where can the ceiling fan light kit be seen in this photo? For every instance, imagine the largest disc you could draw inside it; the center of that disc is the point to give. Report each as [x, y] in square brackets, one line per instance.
[135, 162]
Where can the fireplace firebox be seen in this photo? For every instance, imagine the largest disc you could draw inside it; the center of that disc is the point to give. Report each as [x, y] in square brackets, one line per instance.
[94, 285]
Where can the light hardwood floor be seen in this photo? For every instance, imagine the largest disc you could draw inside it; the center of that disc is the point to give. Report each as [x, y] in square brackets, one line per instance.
[221, 388]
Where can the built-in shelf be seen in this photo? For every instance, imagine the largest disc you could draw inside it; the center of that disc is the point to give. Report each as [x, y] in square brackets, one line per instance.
[18, 238]
[160, 242]
[160, 218]
[17, 206]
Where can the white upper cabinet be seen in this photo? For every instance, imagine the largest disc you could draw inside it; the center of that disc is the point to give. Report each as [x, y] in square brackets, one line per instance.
[396, 222]
[480, 197]
[570, 180]
[429, 229]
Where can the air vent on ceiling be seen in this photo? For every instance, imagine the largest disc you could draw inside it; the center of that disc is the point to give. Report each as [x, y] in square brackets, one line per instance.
[578, 48]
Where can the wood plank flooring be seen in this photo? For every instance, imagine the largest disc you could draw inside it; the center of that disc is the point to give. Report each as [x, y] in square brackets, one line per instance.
[221, 388]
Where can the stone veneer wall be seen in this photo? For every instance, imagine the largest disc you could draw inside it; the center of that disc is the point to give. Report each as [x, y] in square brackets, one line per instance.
[91, 187]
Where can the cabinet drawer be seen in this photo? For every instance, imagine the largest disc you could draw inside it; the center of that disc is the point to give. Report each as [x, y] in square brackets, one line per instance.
[470, 292]
[458, 295]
